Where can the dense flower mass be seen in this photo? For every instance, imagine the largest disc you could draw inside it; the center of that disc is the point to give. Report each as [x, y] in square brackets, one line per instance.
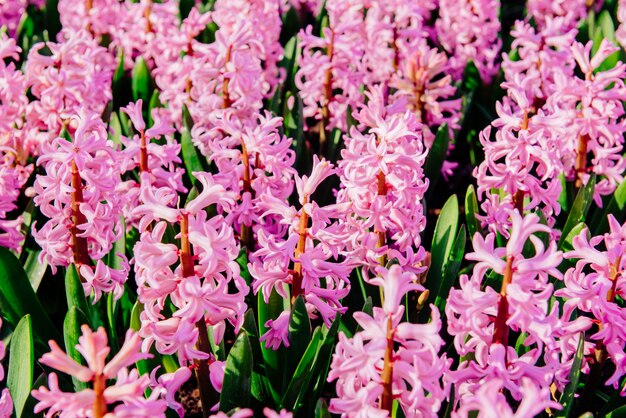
[250, 208]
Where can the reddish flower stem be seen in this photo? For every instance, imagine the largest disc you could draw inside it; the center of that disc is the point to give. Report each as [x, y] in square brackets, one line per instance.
[79, 244]
[386, 399]
[99, 404]
[328, 95]
[207, 397]
[501, 329]
[296, 287]
[581, 160]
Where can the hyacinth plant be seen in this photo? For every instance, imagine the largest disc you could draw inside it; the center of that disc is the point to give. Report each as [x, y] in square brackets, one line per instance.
[308, 208]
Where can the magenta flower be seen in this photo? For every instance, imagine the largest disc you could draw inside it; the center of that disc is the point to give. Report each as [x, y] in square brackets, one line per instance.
[593, 286]
[389, 359]
[468, 31]
[125, 396]
[305, 257]
[199, 286]
[77, 194]
[480, 318]
[383, 185]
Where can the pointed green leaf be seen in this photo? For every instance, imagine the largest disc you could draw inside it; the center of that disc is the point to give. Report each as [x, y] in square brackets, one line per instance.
[615, 207]
[35, 269]
[580, 207]
[321, 409]
[436, 156]
[567, 397]
[442, 244]
[237, 384]
[74, 320]
[272, 358]
[21, 364]
[17, 299]
[471, 209]
[451, 269]
[74, 291]
[141, 81]
[299, 334]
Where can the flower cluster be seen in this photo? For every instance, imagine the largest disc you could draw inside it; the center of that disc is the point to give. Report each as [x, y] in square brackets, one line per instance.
[482, 319]
[77, 193]
[124, 398]
[390, 359]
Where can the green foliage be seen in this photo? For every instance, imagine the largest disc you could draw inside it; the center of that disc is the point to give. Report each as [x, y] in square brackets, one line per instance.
[21, 364]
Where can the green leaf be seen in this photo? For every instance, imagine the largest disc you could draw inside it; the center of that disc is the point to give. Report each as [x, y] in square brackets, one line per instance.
[35, 269]
[74, 320]
[615, 207]
[471, 209]
[185, 7]
[17, 299]
[566, 244]
[191, 158]
[21, 364]
[436, 156]
[237, 375]
[143, 366]
[299, 334]
[302, 374]
[155, 102]
[442, 244]
[617, 413]
[29, 406]
[451, 270]
[52, 19]
[471, 77]
[580, 207]
[118, 76]
[321, 409]
[74, 291]
[273, 359]
[567, 397]
[141, 81]
[242, 261]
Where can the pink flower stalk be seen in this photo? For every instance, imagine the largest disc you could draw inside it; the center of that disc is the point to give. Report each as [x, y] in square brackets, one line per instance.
[426, 85]
[392, 31]
[198, 287]
[593, 285]
[571, 11]
[124, 398]
[252, 161]
[329, 75]
[11, 12]
[383, 185]
[98, 17]
[152, 30]
[265, 18]
[224, 79]
[76, 73]
[542, 57]
[157, 164]
[6, 403]
[305, 254]
[481, 318]
[77, 193]
[594, 139]
[468, 31]
[390, 359]
[522, 161]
